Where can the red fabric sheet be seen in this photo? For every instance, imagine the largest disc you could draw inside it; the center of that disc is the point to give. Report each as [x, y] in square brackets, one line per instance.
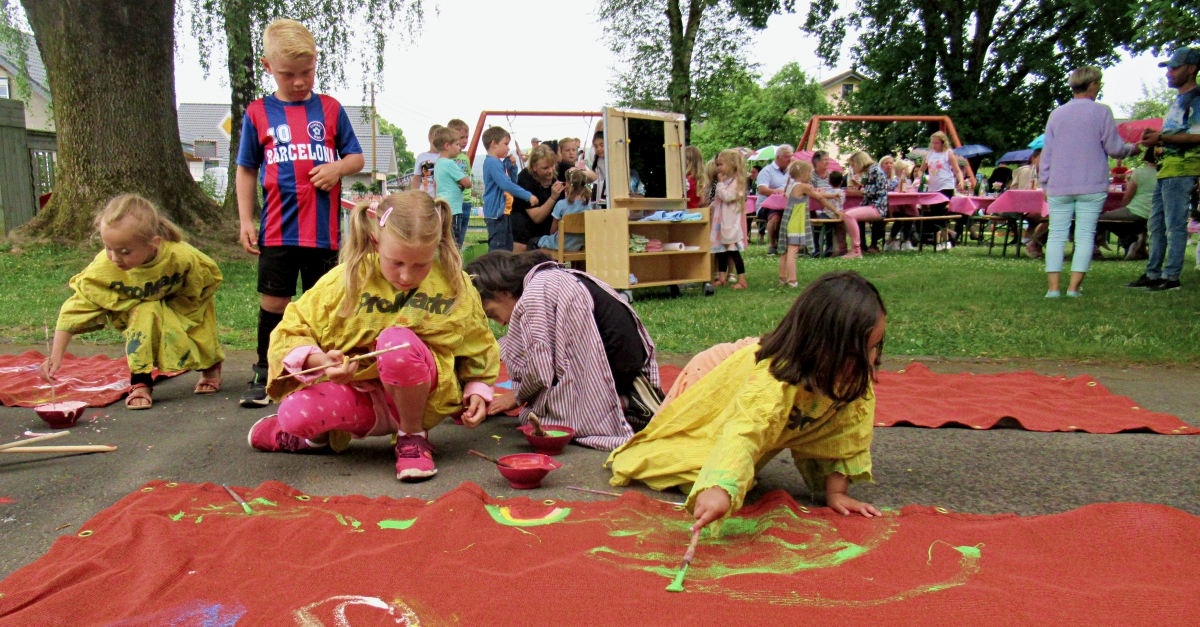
[97, 380]
[182, 554]
[919, 397]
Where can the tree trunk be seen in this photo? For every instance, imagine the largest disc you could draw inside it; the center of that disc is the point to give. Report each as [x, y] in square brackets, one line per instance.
[243, 80]
[111, 68]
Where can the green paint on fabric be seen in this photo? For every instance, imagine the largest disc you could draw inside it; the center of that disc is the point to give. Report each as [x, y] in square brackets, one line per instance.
[396, 524]
[199, 519]
[503, 515]
[261, 501]
[969, 551]
[177, 517]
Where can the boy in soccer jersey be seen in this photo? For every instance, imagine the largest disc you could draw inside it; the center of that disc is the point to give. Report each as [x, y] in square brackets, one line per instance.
[297, 145]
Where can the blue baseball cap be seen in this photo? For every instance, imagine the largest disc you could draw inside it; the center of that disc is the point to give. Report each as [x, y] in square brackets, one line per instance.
[1182, 56]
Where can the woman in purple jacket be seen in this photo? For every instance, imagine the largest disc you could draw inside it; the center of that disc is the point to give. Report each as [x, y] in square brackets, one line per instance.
[1080, 137]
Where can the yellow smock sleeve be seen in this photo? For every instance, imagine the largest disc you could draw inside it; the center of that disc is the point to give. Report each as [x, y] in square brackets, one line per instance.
[845, 447]
[304, 322]
[88, 306]
[479, 357]
[758, 417]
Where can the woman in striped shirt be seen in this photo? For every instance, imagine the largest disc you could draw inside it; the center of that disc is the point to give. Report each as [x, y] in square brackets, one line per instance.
[577, 354]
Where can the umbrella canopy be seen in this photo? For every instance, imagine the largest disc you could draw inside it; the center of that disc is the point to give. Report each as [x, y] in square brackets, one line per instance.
[806, 155]
[971, 150]
[1132, 131]
[766, 153]
[1016, 156]
[1038, 142]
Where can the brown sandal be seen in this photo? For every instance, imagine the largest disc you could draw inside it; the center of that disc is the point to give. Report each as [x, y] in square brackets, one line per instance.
[207, 386]
[139, 391]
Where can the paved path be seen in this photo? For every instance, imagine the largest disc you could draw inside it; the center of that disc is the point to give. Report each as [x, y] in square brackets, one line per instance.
[197, 439]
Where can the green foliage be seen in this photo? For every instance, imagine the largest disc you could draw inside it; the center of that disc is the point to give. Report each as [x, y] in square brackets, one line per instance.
[1154, 103]
[997, 68]
[754, 115]
[360, 188]
[13, 40]
[1160, 26]
[405, 159]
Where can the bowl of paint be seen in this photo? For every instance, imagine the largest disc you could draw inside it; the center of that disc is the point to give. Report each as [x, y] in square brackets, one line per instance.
[61, 415]
[526, 469]
[553, 443]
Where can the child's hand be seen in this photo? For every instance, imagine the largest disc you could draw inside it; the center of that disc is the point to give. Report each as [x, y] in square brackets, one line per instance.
[248, 236]
[338, 372]
[502, 403]
[324, 176]
[711, 504]
[49, 367]
[475, 412]
[841, 503]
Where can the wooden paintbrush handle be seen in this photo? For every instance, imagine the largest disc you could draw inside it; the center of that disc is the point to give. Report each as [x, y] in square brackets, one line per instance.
[494, 461]
[537, 425]
[97, 448]
[39, 438]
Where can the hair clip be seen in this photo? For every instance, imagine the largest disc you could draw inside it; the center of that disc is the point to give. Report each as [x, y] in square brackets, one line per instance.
[383, 218]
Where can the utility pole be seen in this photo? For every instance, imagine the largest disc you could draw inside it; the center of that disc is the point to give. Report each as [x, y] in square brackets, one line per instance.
[374, 132]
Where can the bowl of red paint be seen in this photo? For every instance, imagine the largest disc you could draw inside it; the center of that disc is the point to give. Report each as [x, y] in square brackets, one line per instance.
[553, 443]
[61, 415]
[526, 469]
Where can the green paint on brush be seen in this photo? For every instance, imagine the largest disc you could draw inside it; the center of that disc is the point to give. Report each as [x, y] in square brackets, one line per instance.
[677, 583]
[396, 524]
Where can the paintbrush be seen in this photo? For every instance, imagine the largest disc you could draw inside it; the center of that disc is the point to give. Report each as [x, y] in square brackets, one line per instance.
[677, 584]
[48, 436]
[93, 448]
[537, 426]
[237, 498]
[346, 360]
[53, 395]
[494, 461]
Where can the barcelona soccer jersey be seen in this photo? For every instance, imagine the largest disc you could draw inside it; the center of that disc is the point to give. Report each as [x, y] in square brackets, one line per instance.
[284, 141]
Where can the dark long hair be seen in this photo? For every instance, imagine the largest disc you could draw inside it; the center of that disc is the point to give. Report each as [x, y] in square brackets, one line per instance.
[823, 343]
[502, 272]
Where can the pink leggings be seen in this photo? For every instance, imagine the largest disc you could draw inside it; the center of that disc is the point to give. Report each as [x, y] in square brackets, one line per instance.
[851, 217]
[326, 406]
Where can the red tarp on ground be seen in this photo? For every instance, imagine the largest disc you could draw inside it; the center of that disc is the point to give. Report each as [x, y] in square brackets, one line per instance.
[919, 397]
[97, 380]
[185, 555]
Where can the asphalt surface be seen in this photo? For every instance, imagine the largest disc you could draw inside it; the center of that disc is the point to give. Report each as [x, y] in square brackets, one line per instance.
[198, 439]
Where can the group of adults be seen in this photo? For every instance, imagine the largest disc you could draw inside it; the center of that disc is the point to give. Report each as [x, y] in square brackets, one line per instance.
[547, 165]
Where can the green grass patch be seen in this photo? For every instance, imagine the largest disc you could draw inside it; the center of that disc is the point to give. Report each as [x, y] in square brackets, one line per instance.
[960, 303]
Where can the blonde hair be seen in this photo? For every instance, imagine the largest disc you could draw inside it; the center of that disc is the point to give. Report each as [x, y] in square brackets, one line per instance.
[412, 217]
[942, 136]
[710, 174]
[444, 135]
[288, 39]
[147, 222]
[735, 158]
[433, 131]
[459, 126]
[903, 168]
[541, 153]
[695, 162]
[861, 160]
[562, 144]
[1083, 77]
[577, 186]
[800, 171]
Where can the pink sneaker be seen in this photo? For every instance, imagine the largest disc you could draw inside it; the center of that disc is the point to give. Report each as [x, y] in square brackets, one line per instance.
[266, 435]
[414, 458]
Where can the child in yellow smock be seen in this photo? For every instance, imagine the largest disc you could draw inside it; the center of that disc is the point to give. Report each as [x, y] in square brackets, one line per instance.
[806, 387]
[156, 289]
[399, 285]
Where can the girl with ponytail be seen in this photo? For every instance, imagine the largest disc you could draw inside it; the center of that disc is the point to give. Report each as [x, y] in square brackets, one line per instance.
[399, 285]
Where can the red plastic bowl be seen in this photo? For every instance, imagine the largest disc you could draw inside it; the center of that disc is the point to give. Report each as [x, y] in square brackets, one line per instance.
[61, 415]
[527, 470]
[550, 444]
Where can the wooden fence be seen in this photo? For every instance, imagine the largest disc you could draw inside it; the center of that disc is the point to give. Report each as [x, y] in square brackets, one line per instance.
[27, 162]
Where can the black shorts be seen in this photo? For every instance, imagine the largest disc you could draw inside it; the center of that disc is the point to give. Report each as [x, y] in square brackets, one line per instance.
[280, 266]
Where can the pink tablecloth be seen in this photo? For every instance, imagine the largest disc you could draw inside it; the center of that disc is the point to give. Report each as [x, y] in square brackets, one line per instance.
[968, 205]
[898, 199]
[1030, 201]
[1113, 201]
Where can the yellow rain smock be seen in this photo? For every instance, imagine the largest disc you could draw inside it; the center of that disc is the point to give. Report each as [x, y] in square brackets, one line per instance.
[454, 328]
[165, 308]
[735, 420]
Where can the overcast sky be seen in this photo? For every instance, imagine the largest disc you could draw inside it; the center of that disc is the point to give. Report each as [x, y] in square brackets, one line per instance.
[465, 61]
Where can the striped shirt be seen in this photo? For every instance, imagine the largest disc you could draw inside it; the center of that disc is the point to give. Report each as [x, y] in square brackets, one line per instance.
[556, 358]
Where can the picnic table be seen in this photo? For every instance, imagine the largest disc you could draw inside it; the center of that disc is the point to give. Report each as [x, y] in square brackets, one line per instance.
[970, 205]
[1033, 202]
[898, 199]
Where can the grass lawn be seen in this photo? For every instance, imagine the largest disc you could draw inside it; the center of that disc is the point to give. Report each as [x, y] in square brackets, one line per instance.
[960, 303]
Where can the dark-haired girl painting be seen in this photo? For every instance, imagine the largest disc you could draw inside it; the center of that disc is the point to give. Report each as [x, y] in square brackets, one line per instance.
[806, 386]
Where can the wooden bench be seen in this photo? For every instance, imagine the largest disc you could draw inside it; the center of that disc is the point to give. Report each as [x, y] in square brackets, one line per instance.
[824, 223]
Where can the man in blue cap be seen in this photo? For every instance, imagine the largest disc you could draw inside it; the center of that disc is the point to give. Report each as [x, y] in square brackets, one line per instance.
[1178, 170]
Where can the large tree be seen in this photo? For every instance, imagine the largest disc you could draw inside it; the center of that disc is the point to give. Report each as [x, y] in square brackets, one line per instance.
[680, 53]
[344, 30]
[997, 67]
[111, 69]
[1160, 26]
[754, 115]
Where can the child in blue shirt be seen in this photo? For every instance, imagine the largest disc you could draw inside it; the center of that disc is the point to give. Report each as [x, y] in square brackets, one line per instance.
[579, 196]
[448, 177]
[499, 176]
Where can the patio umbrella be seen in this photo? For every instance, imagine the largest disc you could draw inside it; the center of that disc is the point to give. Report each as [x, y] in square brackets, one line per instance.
[1016, 156]
[766, 153]
[806, 155]
[1132, 131]
[1038, 142]
[971, 150]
